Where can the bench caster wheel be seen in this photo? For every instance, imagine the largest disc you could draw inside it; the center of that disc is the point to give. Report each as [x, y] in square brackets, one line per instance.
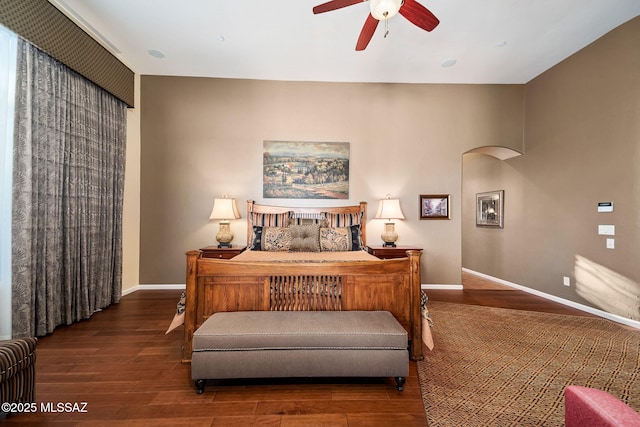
[400, 383]
[200, 386]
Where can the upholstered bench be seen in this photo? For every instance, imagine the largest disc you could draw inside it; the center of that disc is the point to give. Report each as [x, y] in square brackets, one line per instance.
[271, 344]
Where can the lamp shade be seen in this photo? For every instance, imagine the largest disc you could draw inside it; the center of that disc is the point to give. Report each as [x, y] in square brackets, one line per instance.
[224, 209]
[389, 209]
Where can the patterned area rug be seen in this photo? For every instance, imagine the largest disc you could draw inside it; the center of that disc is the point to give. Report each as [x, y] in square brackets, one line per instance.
[501, 367]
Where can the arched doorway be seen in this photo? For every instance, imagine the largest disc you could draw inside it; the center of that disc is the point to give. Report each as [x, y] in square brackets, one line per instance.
[480, 172]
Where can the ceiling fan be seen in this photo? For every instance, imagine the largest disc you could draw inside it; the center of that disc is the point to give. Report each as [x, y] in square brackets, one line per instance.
[383, 10]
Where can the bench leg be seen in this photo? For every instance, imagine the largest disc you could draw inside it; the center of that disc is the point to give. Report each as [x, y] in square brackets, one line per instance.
[400, 383]
[200, 386]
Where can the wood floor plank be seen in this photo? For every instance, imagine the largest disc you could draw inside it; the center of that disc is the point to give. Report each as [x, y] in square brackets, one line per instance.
[155, 422]
[332, 420]
[309, 407]
[384, 420]
[250, 420]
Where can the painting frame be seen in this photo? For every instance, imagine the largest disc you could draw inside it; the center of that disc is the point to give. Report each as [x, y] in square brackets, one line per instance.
[305, 170]
[490, 209]
[435, 206]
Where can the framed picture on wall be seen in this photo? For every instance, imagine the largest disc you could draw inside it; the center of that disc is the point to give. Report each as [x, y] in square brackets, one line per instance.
[490, 209]
[305, 170]
[435, 206]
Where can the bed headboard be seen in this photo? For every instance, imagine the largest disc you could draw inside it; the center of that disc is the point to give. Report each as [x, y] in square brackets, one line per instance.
[308, 212]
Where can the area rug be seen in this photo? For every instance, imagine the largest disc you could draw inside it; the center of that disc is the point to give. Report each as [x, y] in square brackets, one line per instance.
[502, 367]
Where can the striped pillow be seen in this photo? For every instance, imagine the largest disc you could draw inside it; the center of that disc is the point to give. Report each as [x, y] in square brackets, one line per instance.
[270, 220]
[343, 220]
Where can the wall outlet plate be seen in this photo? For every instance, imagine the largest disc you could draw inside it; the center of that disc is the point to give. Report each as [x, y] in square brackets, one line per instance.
[566, 281]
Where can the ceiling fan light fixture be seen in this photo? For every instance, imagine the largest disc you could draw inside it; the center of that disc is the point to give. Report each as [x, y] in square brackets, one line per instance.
[384, 9]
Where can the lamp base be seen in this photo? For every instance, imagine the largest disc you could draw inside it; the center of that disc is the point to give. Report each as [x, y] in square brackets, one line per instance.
[389, 236]
[224, 236]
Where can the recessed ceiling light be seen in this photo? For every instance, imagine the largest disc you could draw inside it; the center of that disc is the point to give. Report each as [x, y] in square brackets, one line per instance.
[503, 43]
[220, 38]
[449, 63]
[156, 53]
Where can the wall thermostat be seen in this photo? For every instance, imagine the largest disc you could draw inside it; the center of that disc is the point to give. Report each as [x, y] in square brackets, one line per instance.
[605, 207]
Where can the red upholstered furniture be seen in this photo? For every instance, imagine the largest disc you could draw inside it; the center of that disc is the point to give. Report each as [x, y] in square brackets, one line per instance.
[586, 407]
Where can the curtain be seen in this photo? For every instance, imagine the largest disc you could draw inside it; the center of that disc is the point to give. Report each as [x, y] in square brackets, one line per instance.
[68, 183]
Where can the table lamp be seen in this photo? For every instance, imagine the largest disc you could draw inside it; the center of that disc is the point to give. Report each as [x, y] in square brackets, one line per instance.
[224, 209]
[389, 209]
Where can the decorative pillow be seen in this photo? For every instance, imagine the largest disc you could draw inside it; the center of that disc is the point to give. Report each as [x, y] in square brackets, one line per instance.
[255, 243]
[305, 238]
[356, 237]
[276, 239]
[321, 221]
[335, 239]
[343, 220]
[270, 220]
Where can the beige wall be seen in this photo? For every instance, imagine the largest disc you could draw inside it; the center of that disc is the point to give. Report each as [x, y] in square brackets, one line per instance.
[131, 204]
[202, 137]
[582, 146]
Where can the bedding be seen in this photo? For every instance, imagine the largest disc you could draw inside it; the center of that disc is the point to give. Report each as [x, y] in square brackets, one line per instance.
[178, 318]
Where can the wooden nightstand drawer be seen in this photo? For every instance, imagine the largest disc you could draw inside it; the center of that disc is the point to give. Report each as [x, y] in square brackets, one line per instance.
[221, 253]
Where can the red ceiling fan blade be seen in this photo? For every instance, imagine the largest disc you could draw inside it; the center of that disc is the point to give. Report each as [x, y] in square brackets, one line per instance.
[334, 4]
[419, 15]
[368, 29]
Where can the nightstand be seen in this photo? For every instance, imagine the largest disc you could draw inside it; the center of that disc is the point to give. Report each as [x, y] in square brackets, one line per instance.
[221, 253]
[390, 252]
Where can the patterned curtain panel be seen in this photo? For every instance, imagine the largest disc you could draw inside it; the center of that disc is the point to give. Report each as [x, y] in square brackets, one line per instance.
[68, 183]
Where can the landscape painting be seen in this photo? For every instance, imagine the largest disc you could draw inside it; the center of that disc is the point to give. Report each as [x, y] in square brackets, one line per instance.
[305, 170]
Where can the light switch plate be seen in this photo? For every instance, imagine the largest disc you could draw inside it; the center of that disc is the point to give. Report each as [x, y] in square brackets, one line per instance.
[605, 207]
[607, 230]
[611, 243]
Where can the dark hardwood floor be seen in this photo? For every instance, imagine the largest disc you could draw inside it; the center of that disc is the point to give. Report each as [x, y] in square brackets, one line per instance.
[480, 291]
[121, 363]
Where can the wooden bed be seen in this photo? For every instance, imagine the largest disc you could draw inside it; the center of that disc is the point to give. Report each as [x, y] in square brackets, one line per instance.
[215, 285]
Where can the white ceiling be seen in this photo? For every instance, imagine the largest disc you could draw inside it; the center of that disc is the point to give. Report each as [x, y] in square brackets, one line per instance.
[492, 41]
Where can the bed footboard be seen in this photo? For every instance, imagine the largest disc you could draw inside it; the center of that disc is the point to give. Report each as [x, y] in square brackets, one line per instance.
[215, 285]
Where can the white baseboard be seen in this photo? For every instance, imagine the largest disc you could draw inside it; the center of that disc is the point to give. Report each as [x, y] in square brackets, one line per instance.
[154, 287]
[454, 287]
[582, 307]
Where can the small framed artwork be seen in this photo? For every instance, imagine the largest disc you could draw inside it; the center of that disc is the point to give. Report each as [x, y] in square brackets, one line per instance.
[435, 206]
[490, 209]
